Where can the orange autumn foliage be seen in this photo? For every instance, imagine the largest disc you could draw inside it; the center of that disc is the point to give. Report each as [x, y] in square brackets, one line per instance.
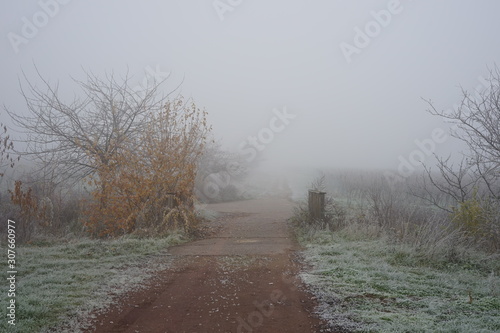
[148, 180]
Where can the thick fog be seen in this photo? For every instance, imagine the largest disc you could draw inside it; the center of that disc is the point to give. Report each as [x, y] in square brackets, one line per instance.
[293, 83]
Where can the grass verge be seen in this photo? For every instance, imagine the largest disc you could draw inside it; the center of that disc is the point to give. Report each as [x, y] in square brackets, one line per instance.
[367, 284]
[59, 285]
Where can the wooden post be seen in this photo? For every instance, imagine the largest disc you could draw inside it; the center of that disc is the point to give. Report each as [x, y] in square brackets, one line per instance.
[317, 204]
[171, 202]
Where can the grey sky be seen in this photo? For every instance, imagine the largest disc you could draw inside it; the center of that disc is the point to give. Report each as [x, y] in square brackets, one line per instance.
[267, 55]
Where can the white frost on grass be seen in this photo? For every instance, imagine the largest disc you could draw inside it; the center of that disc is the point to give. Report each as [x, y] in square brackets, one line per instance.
[60, 286]
[368, 285]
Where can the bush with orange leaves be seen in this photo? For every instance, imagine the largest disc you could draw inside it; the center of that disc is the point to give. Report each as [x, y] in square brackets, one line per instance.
[147, 183]
[33, 212]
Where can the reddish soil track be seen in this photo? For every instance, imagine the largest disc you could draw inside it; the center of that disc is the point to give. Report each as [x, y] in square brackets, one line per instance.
[241, 279]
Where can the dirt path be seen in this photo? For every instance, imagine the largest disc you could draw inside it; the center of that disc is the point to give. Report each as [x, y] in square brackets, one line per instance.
[243, 279]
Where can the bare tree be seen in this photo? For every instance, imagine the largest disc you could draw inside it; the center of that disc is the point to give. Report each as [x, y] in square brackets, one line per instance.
[6, 149]
[449, 185]
[470, 190]
[67, 138]
[218, 171]
[477, 123]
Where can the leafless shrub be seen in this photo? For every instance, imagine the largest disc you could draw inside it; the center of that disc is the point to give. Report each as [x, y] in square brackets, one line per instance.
[60, 134]
[395, 215]
[218, 174]
[470, 190]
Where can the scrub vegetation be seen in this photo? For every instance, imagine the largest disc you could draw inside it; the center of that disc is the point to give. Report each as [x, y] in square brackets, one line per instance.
[416, 252]
[384, 261]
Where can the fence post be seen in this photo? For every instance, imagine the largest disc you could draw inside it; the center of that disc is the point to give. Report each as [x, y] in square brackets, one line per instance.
[171, 201]
[317, 204]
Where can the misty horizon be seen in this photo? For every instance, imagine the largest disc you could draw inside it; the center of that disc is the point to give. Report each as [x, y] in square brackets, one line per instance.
[353, 76]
